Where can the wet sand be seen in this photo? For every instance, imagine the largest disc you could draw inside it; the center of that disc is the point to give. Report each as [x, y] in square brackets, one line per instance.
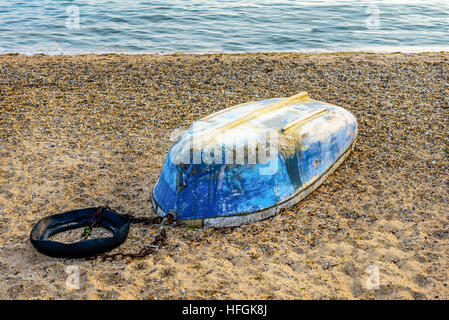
[82, 131]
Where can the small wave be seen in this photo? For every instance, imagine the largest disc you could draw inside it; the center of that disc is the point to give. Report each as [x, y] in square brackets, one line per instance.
[75, 51]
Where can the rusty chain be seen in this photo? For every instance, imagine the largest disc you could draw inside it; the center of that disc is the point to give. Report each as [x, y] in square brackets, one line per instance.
[159, 240]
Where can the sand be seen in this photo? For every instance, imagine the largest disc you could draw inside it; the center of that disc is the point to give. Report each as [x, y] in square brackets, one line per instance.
[83, 131]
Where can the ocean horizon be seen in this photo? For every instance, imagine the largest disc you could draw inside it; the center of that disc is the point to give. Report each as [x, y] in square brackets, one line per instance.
[173, 26]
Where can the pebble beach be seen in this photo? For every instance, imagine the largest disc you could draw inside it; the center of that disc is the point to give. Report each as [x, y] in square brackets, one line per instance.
[88, 130]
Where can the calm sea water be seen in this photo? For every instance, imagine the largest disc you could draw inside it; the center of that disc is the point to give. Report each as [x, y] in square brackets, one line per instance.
[96, 26]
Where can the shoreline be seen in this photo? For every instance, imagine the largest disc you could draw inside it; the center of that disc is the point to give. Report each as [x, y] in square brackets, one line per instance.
[368, 50]
[88, 130]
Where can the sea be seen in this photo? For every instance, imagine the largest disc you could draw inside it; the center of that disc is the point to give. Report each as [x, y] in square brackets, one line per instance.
[213, 26]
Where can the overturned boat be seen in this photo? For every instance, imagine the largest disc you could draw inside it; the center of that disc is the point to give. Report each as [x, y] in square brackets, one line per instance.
[247, 162]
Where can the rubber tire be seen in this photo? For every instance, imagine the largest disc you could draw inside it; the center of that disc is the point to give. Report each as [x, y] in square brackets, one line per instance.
[48, 226]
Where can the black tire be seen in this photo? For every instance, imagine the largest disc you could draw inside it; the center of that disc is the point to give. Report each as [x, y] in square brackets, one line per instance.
[48, 226]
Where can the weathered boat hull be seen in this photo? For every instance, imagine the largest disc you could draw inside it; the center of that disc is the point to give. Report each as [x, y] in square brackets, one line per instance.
[222, 181]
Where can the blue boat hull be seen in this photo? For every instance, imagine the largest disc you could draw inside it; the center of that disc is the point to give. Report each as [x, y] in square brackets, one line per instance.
[314, 138]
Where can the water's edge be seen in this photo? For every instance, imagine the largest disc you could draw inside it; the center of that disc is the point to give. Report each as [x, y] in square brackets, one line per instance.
[379, 50]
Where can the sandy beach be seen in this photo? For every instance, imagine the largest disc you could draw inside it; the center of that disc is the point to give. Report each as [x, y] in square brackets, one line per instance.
[89, 130]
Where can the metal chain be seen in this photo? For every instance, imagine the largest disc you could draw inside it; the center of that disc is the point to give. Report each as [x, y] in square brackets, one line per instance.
[159, 240]
[96, 220]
